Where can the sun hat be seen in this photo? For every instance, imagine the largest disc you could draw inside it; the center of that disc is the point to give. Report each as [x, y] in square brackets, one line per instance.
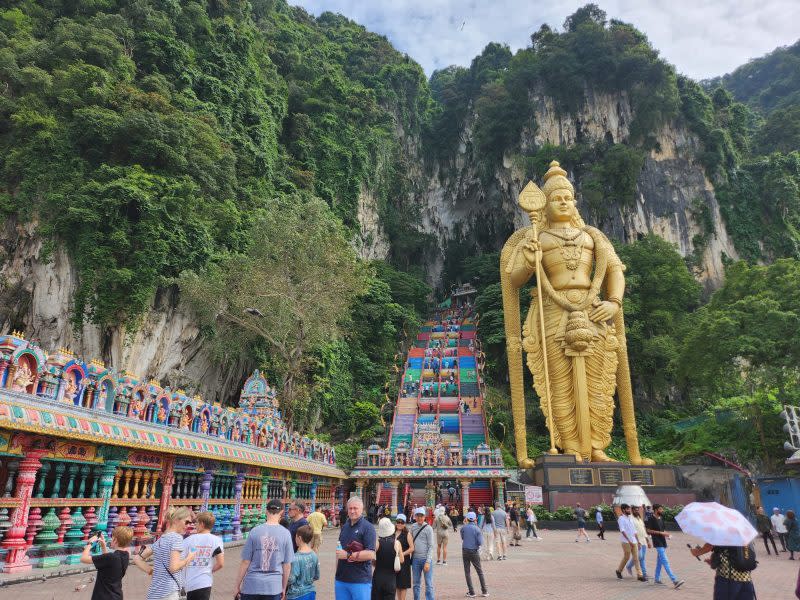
[385, 527]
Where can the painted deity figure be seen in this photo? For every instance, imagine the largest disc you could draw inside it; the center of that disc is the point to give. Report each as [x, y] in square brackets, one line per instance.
[22, 378]
[573, 333]
[71, 389]
[162, 414]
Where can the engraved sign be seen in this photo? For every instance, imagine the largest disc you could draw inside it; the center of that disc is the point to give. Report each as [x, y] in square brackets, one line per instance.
[642, 476]
[581, 477]
[610, 476]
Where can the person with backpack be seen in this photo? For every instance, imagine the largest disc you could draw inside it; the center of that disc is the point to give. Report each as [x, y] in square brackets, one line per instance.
[442, 525]
[733, 566]
[111, 566]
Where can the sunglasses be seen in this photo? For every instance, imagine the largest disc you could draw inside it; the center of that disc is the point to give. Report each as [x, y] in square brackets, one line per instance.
[188, 522]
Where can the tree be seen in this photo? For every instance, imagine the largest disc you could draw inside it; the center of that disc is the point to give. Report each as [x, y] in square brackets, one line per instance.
[291, 289]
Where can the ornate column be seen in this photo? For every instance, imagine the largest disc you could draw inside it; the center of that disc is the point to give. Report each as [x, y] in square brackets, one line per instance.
[313, 494]
[107, 478]
[237, 507]
[465, 495]
[205, 487]
[264, 494]
[167, 476]
[395, 485]
[359, 489]
[499, 490]
[14, 540]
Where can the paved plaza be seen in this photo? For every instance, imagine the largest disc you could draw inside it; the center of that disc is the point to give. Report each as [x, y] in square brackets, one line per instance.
[557, 567]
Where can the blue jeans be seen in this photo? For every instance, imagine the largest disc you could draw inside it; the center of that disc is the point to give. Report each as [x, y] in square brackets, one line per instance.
[417, 565]
[663, 561]
[352, 591]
[642, 553]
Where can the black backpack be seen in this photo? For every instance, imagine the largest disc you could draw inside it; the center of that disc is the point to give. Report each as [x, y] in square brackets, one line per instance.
[741, 558]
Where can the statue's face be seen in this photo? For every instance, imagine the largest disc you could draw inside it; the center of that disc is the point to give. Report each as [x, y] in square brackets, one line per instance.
[560, 206]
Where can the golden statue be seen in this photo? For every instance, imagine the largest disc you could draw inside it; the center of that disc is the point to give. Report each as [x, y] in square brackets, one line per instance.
[574, 334]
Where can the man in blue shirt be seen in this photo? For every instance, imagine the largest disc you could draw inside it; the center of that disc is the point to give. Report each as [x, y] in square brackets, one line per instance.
[471, 540]
[355, 553]
[297, 513]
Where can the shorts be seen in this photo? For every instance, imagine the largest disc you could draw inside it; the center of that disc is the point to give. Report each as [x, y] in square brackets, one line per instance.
[201, 594]
[441, 539]
[316, 542]
[501, 535]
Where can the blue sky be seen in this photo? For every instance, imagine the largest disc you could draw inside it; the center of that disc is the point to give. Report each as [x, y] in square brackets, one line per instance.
[702, 38]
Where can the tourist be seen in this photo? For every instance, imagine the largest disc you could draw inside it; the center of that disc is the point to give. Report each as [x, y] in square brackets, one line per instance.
[764, 527]
[317, 521]
[384, 578]
[500, 519]
[371, 513]
[422, 558]
[454, 514]
[580, 514]
[451, 491]
[777, 524]
[441, 526]
[471, 541]
[403, 576]
[266, 559]
[792, 533]
[642, 541]
[111, 566]
[656, 530]
[355, 553]
[487, 528]
[208, 547]
[530, 520]
[167, 560]
[730, 581]
[305, 567]
[601, 526]
[630, 545]
[513, 520]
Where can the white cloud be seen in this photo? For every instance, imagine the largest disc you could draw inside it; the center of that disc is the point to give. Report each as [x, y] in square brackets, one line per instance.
[702, 38]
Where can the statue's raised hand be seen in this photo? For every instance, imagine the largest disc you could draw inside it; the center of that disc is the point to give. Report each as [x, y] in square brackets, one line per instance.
[529, 250]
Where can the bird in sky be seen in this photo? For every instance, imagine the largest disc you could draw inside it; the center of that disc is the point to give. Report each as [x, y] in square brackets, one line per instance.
[462, 25]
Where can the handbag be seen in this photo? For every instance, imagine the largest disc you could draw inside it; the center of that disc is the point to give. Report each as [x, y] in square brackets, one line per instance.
[181, 589]
[397, 565]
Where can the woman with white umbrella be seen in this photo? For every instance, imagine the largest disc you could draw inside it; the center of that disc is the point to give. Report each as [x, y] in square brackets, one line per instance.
[728, 535]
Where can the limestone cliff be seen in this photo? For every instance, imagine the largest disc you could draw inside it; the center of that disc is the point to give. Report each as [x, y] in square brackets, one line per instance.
[459, 205]
[38, 289]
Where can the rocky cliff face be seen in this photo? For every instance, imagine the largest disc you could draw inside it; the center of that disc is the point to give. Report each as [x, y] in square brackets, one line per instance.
[459, 205]
[37, 297]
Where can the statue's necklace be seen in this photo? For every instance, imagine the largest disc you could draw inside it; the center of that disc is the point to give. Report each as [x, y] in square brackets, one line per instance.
[570, 244]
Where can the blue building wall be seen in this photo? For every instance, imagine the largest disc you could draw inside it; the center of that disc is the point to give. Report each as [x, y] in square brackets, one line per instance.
[783, 492]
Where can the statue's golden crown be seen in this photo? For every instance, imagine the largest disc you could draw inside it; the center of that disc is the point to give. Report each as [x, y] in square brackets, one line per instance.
[556, 179]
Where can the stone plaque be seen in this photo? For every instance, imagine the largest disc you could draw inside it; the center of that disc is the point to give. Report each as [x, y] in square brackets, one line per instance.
[610, 476]
[581, 477]
[642, 476]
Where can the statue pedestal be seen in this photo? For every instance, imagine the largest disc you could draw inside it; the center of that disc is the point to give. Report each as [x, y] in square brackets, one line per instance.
[565, 481]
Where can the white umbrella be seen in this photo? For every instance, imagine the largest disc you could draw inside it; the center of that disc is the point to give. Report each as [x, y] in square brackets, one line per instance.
[716, 524]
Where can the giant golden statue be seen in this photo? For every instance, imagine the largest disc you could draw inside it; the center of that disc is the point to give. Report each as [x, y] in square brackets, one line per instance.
[574, 334]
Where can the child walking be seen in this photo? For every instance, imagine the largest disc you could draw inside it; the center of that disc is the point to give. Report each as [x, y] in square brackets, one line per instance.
[305, 567]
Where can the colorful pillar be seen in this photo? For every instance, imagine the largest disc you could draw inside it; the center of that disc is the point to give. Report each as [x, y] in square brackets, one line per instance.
[205, 487]
[167, 478]
[465, 495]
[264, 494]
[359, 489]
[314, 484]
[107, 476]
[395, 484]
[499, 489]
[237, 507]
[14, 540]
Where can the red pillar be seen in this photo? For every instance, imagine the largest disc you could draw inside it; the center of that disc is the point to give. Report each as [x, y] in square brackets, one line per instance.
[14, 541]
[167, 478]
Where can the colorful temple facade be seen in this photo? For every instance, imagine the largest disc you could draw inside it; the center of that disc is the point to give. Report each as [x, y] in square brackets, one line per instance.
[83, 448]
[438, 450]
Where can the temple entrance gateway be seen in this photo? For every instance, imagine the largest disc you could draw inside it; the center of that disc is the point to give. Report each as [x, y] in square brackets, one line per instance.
[438, 450]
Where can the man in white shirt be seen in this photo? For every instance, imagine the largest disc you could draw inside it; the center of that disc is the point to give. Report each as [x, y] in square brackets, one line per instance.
[777, 524]
[629, 541]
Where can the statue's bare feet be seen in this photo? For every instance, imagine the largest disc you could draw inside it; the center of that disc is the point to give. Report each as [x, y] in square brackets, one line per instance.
[600, 456]
[643, 461]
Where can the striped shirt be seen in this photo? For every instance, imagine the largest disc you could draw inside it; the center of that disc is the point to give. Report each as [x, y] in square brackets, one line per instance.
[165, 583]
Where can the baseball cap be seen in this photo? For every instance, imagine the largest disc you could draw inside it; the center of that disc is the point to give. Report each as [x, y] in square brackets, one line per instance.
[419, 511]
[401, 517]
[274, 506]
[471, 516]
